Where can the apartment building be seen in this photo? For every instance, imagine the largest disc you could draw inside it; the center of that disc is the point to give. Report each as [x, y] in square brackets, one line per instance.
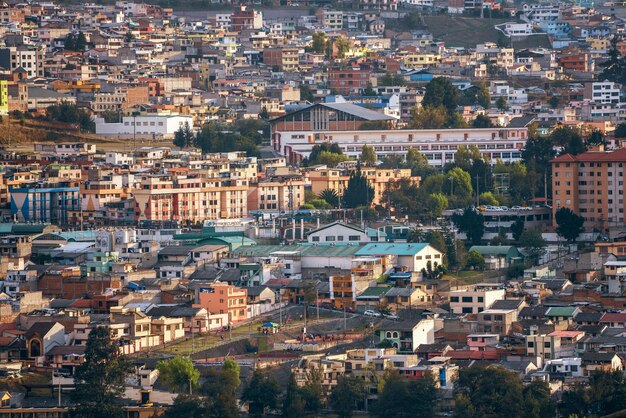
[603, 92]
[277, 194]
[144, 126]
[26, 57]
[474, 300]
[592, 185]
[223, 298]
[45, 202]
[379, 179]
[364, 273]
[285, 58]
[189, 198]
[348, 80]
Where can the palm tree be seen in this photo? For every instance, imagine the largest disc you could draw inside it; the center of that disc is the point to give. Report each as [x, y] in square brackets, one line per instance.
[330, 196]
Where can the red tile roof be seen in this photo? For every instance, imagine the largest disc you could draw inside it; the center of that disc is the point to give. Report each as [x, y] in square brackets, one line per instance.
[594, 156]
[613, 317]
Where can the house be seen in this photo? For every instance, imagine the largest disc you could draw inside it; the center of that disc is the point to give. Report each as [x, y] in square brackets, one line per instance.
[498, 321]
[223, 298]
[370, 298]
[404, 298]
[42, 337]
[613, 320]
[338, 232]
[260, 294]
[408, 335]
[498, 256]
[605, 362]
[413, 256]
[565, 313]
[564, 367]
[474, 300]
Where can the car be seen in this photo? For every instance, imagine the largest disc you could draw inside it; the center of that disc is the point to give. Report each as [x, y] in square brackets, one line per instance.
[369, 312]
[391, 316]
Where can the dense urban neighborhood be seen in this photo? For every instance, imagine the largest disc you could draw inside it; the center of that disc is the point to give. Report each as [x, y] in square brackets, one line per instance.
[386, 208]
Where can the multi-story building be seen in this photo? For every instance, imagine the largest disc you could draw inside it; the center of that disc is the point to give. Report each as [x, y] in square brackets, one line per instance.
[592, 185]
[474, 300]
[364, 273]
[283, 194]
[45, 202]
[295, 134]
[153, 126]
[348, 80]
[285, 58]
[29, 58]
[603, 92]
[379, 179]
[223, 298]
[192, 198]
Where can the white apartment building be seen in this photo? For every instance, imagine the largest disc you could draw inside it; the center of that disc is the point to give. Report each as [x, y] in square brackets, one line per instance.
[474, 300]
[119, 158]
[31, 59]
[603, 92]
[438, 145]
[144, 126]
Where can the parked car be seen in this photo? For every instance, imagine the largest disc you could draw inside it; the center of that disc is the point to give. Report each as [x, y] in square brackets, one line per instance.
[392, 316]
[370, 312]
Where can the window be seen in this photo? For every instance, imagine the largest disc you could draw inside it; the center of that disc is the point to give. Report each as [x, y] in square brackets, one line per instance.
[467, 299]
[353, 237]
[481, 299]
[531, 344]
[467, 310]
[330, 238]
[454, 298]
[546, 344]
[316, 239]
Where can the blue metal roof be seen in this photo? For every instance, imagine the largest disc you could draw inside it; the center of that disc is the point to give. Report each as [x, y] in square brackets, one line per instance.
[401, 249]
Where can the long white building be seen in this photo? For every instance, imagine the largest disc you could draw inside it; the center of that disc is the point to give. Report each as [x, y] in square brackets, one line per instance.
[143, 126]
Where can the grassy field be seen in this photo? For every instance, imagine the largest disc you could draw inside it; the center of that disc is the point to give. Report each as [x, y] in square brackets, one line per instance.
[468, 277]
[463, 31]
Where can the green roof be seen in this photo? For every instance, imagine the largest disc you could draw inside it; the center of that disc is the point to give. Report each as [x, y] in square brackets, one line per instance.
[303, 250]
[374, 292]
[494, 249]
[561, 311]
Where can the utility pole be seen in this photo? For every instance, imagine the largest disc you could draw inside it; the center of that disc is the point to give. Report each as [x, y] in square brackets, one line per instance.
[317, 302]
[477, 191]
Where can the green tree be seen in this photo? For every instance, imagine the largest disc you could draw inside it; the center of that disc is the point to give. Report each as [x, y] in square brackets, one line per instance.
[569, 224]
[264, 113]
[472, 223]
[368, 155]
[358, 190]
[533, 244]
[67, 112]
[419, 165]
[537, 155]
[429, 117]
[404, 399]
[220, 386]
[306, 94]
[488, 392]
[293, 402]
[441, 92]
[391, 79]
[81, 42]
[502, 104]
[330, 196]
[188, 407]
[458, 185]
[614, 68]
[620, 130]
[475, 260]
[100, 380]
[342, 45]
[517, 228]
[433, 271]
[554, 102]
[483, 98]
[70, 42]
[312, 391]
[374, 125]
[325, 147]
[538, 400]
[128, 37]
[319, 43]
[596, 137]
[261, 393]
[482, 121]
[179, 374]
[348, 395]
[488, 198]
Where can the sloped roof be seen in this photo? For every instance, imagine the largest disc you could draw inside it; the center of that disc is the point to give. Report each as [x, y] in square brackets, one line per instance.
[401, 249]
[561, 311]
[493, 249]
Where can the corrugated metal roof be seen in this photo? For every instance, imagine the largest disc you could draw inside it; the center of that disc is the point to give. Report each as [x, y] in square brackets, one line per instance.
[402, 249]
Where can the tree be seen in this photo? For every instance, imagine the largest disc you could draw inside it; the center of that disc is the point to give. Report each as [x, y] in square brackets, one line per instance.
[391, 79]
[179, 374]
[70, 42]
[419, 165]
[533, 244]
[264, 113]
[537, 155]
[188, 407]
[433, 271]
[368, 155]
[67, 112]
[517, 228]
[472, 223]
[330, 196]
[312, 391]
[537, 400]
[483, 98]
[347, 395]
[179, 138]
[322, 154]
[502, 104]
[342, 45]
[128, 37]
[100, 380]
[220, 386]
[429, 117]
[482, 121]
[596, 138]
[569, 224]
[475, 260]
[261, 393]
[293, 402]
[441, 92]
[404, 399]
[81, 42]
[319, 42]
[488, 392]
[358, 190]
[374, 125]
[306, 94]
[605, 394]
[458, 185]
[620, 130]
[554, 102]
[614, 68]
[488, 198]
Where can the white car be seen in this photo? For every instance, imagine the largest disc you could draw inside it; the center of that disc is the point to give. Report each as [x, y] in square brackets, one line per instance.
[392, 316]
[369, 312]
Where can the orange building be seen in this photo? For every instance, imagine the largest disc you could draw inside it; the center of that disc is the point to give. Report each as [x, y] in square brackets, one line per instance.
[220, 298]
[591, 184]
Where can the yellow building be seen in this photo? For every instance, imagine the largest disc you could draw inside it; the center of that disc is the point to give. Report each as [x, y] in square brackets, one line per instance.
[4, 97]
[379, 179]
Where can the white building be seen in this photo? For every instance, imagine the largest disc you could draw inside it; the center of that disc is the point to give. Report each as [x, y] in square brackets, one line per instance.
[474, 300]
[119, 158]
[339, 232]
[144, 126]
[438, 145]
[603, 92]
[516, 29]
